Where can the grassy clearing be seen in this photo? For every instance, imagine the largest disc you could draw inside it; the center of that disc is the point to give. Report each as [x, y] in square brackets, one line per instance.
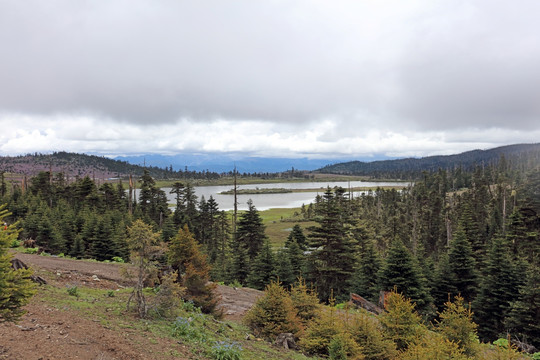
[279, 223]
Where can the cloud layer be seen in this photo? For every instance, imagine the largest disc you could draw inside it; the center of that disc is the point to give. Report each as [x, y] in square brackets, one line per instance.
[290, 78]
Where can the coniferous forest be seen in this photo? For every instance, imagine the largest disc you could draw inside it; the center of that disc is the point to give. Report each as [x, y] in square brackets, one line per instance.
[471, 236]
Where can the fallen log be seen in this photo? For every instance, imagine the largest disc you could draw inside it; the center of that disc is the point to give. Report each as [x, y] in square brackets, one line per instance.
[359, 301]
[17, 264]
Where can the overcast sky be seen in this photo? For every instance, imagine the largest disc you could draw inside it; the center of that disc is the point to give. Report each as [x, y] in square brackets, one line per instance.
[286, 78]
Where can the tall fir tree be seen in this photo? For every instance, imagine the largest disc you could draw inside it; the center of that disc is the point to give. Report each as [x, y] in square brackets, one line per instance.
[263, 268]
[498, 287]
[401, 271]
[251, 231]
[365, 277]
[333, 258]
[523, 319]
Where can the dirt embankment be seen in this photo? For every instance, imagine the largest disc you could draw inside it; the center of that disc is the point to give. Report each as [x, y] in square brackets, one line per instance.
[48, 333]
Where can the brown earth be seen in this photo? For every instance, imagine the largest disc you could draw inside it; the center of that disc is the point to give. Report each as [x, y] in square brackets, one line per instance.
[49, 333]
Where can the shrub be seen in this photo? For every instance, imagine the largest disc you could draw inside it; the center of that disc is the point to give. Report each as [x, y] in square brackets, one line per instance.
[366, 332]
[401, 322]
[326, 335]
[305, 301]
[14, 243]
[273, 314]
[118, 259]
[342, 347]
[168, 296]
[73, 291]
[184, 328]
[457, 326]
[226, 351]
[31, 250]
[433, 346]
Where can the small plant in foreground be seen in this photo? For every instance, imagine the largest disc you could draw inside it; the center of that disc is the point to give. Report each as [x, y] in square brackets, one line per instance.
[184, 328]
[73, 291]
[226, 351]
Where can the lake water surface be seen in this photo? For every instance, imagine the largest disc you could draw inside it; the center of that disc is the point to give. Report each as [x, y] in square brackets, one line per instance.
[269, 201]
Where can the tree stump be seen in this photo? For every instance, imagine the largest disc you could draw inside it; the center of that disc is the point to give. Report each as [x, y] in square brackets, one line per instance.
[17, 264]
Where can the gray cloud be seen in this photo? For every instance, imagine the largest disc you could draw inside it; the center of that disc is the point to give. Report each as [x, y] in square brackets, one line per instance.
[352, 67]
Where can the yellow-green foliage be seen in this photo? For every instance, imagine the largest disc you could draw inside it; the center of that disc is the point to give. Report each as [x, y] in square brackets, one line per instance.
[327, 327]
[500, 351]
[401, 322]
[457, 326]
[433, 346]
[273, 314]
[305, 301]
[366, 331]
[169, 296]
[16, 288]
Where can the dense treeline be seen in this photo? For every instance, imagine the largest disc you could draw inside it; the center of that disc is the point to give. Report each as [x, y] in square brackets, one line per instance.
[469, 233]
[411, 168]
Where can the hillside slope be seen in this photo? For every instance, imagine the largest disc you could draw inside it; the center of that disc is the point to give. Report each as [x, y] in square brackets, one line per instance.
[410, 166]
[80, 165]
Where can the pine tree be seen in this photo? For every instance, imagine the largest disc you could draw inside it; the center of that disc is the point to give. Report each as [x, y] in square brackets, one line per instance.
[333, 258]
[16, 288]
[186, 257]
[456, 325]
[296, 258]
[263, 268]
[401, 271]
[250, 232]
[365, 277]
[462, 266]
[273, 313]
[284, 270]
[524, 316]
[497, 289]
[298, 236]
[401, 322]
[142, 243]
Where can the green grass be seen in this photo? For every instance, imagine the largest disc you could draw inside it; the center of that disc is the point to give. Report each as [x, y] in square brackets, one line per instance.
[278, 230]
[204, 331]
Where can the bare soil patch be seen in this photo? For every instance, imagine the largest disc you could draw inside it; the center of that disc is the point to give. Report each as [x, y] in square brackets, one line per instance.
[48, 333]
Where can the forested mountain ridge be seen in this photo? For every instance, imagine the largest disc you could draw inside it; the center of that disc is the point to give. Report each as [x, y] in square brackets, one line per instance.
[411, 167]
[81, 165]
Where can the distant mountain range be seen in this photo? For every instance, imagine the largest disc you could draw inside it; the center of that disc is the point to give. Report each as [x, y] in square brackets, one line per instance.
[223, 163]
[201, 165]
[530, 152]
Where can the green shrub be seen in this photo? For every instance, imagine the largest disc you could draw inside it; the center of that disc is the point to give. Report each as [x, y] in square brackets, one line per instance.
[536, 356]
[14, 243]
[73, 291]
[226, 351]
[118, 259]
[31, 250]
[336, 349]
[273, 314]
[503, 343]
[186, 329]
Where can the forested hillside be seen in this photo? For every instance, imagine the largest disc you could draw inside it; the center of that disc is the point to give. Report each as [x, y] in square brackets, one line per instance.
[462, 234]
[72, 165]
[410, 168]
